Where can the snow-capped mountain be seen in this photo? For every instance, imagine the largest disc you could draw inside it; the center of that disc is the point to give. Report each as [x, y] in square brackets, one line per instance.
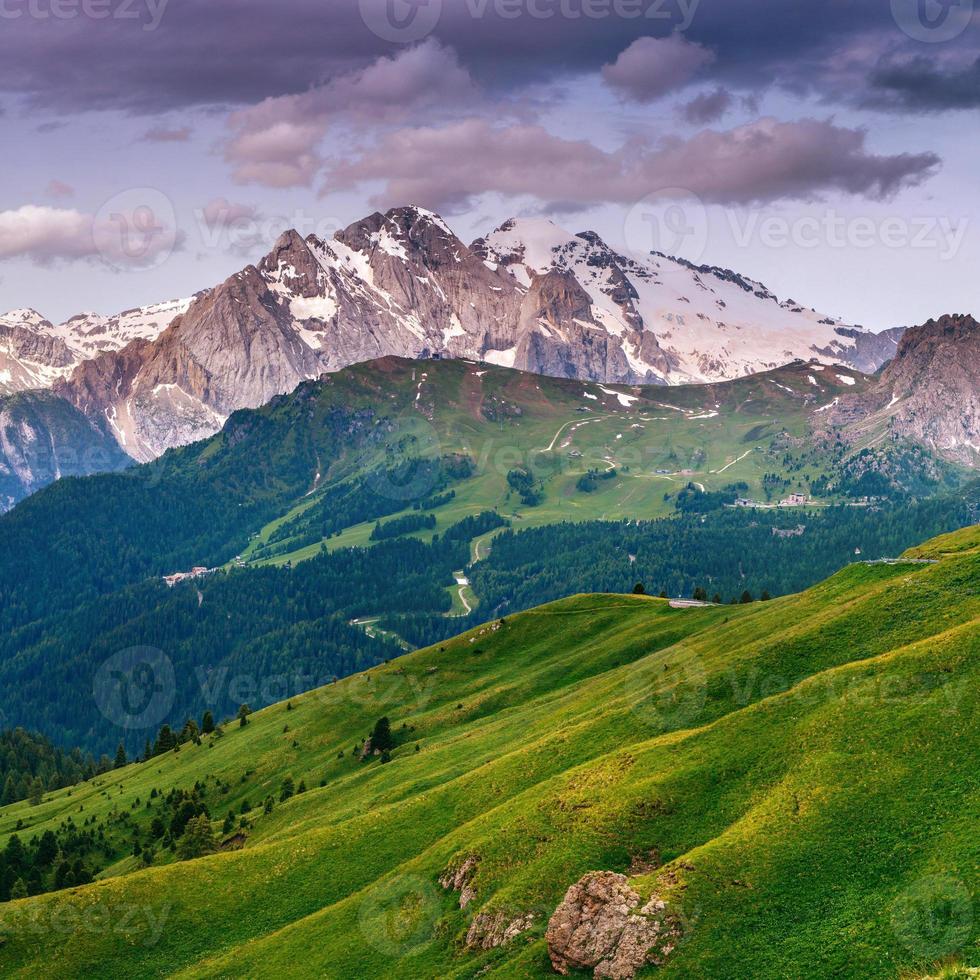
[35, 353]
[529, 296]
[674, 322]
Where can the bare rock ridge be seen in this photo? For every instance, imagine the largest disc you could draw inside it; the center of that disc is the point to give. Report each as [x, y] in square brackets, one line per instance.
[928, 394]
[35, 353]
[528, 295]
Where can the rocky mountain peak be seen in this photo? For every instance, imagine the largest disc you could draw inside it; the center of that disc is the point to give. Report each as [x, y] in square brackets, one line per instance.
[528, 295]
[929, 393]
[25, 317]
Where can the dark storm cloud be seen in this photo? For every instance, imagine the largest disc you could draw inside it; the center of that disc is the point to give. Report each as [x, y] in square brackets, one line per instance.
[207, 52]
[920, 85]
[447, 168]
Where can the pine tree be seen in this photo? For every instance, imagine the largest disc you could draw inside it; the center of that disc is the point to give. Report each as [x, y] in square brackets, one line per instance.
[197, 839]
[10, 793]
[121, 759]
[243, 712]
[207, 723]
[166, 740]
[381, 736]
[18, 890]
[36, 792]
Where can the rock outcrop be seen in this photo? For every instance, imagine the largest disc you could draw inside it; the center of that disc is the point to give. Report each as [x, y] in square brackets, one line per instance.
[488, 930]
[600, 926]
[929, 394]
[458, 877]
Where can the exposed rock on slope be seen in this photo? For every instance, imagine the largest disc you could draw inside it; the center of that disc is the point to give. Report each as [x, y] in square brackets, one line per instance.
[599, 926]
[43, 438]
[929, 394]
[488, 930]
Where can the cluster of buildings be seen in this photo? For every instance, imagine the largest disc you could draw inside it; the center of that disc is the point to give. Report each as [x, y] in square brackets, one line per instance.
[793, 500]
[196, 572]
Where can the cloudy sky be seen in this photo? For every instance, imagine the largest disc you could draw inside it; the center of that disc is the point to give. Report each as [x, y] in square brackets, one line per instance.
[826, 147]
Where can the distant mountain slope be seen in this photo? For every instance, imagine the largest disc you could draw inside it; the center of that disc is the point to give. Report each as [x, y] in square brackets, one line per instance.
[35, 353]
[669, 321]
[279, 472]
[44, 438]
[928, 395]
[774, 790]
[529, 296]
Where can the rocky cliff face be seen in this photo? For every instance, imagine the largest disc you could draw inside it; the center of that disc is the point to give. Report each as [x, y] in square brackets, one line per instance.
[529, 296]
[928, 394]
[43, 438]
[35, 353]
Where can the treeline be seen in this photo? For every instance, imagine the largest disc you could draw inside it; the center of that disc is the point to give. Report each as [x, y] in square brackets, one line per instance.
[31, 765]
[383, 491]
[724, 554]
[399, 526]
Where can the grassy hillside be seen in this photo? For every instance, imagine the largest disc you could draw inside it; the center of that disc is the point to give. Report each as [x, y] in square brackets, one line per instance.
[655, 440]
[797, 779]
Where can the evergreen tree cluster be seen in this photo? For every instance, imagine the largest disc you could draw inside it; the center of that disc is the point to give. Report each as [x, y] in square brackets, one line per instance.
[30, 765]
[724, 555]
[285, 630]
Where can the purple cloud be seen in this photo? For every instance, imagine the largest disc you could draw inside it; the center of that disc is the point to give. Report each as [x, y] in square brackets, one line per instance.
[238, 52]
[708, 107]
[221, 213]
[449, 167]
[276, 142]
[924, 85]
[160, 134]
[59, 189]
[44, 235]
[651, 67]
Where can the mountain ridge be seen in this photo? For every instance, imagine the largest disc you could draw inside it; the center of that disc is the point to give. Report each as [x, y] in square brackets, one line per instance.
[527, 295]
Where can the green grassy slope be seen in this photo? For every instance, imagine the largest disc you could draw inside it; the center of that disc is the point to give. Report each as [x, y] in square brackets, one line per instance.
[799, 776]
[658, 439]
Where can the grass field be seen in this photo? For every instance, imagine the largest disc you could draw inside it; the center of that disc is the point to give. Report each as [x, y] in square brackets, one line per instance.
[799, 780]
[658, 440]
